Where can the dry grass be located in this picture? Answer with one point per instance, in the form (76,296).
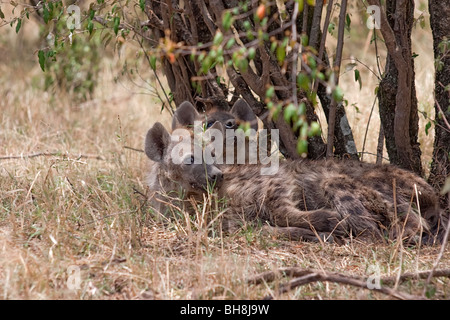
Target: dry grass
(59,213)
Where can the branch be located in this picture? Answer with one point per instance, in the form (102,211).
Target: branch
(134,149)
(305,276)
(389,38)
(315,25)
(440,109)
(52,154)
(314,276)
(323,39)
(337,66)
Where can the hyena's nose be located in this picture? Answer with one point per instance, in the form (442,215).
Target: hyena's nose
(216,176)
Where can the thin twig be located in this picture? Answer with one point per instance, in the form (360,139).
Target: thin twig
(52,154)
(134,149)
(441,111)
(80,225)
(367,127)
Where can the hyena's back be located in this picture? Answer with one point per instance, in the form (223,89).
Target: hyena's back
(409,189)
(331,197)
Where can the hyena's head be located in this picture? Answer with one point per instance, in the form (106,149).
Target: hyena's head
(240,114)
(236,142)
(175,155)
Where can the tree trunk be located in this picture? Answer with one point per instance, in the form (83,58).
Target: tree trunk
(344,143)
(440,25)
(397,94)
(166,15)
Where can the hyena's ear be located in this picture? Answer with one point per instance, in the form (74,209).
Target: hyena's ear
(242,111)
(184,116)
(156,142)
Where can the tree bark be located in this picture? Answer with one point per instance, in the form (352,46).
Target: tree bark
(440,25)
(344,143)
(397,95)
(337,68)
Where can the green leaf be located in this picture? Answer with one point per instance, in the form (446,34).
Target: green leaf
(281,54)
(218,38)
(300,5)
(305,40)
(251,53)
(2,15)
(227,20)
(314,129)
(358,78)
(19,24)
(142,5)
(303,81)
(331,28)
(312,62)
(289,112)
(206,64)
(338,94)
(90,26)
(348,21)
(270,92)
(301,109)
(302,147)
(41,56)
(116,25)
(298,124)
(46,14)
(427,127)
(230,43)
(153,62)
(273,46)
(242,65)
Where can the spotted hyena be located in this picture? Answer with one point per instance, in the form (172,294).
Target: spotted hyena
(304,199)
(172,172)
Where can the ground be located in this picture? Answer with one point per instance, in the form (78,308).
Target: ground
(75,224)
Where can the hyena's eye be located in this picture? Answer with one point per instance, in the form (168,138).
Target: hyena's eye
(229,124)
(189,160)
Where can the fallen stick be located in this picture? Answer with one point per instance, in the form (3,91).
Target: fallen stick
(305,276)
(314,276)
(52,154)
